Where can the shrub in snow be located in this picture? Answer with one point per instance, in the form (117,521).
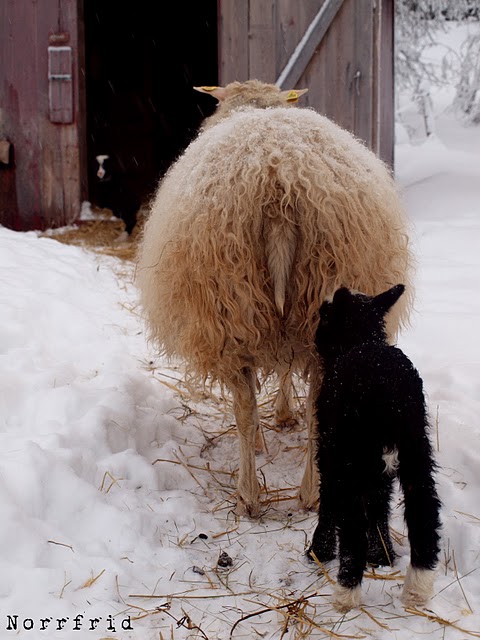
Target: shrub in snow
(467,97)
(417,27)
(372,426)
(267,212)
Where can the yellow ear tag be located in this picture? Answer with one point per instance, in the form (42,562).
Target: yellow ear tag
(292,96)
(209,88)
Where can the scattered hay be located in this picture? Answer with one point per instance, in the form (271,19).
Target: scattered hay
(294,612)
(432,617)
(101,235)
(326,574)
(113,481)
(92,580)
(62,544)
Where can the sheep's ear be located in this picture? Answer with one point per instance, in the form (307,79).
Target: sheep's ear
(293,94)
(385,301)
(220,93)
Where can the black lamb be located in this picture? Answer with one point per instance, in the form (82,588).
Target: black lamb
(113,192)
(372,426)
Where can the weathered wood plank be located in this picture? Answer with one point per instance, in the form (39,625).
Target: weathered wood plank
(81,116)
(383,79)
(293,20)
(350,76)
(363,60)
(330,72)
(309,43)
(233,47)
(262,40)
(60,171)
(19,102)
(43,187)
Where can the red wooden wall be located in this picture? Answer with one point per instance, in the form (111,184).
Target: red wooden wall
(41,185)
(349,73)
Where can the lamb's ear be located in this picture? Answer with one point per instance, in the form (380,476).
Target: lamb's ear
(385,301)
(293,94)
(325,311)
(219,93)
(341,296)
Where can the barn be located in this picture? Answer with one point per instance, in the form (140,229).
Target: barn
(79,78)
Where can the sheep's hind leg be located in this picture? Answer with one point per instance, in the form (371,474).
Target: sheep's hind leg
(309,489)
(242,387)
(284,416)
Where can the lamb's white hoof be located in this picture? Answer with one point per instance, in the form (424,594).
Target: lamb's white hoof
(345,599)
(418,587)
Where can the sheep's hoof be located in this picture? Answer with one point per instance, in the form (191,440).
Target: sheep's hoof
(286,422)
(309,495)
(249,509)
(309,500)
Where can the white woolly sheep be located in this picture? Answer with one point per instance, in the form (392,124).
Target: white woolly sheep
(269,210)
(372,426)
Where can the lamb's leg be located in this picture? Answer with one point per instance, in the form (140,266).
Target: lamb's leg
(309,489)
(324,539)
(422,508)
(352,546)
(380,549)
(284,416)
(418,586)
(242,387)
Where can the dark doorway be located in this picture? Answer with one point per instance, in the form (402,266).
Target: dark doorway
(142,59)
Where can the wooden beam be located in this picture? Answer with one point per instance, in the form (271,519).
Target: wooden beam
(308,44)
(383,97)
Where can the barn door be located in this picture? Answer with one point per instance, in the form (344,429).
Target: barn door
(342,50)
(40,115)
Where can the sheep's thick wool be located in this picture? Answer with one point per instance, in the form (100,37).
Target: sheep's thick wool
(266,213)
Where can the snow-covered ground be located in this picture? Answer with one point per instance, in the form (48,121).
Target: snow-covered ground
(116,481)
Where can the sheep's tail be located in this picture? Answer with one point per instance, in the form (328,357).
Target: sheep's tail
(280,247)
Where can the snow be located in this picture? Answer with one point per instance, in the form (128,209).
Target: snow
(111,467)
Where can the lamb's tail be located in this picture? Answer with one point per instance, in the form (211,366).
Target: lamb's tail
(280,247)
